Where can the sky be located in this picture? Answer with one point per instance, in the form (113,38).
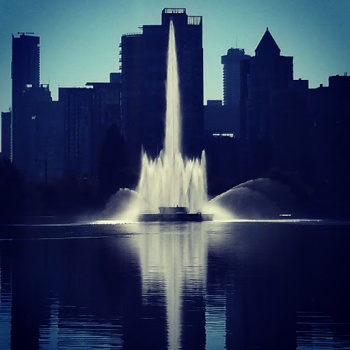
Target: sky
(80,39)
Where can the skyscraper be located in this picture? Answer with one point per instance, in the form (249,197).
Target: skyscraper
(269,72)
(143,65)
(25,62)
(36,118)
(88,114)
(232,87)
(25,74)
(77,111)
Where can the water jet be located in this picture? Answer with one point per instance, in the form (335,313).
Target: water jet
(172,188)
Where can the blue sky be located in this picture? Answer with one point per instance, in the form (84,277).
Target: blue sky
(80,38)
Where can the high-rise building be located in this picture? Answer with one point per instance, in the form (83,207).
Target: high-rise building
(105,114)
(77,115)
(39,117)
(269,72)
(25,62)
(143,66)
(329,144)
(25,74)
(49,159)
(214,118)
(88,114)
(272,105)
(232,88)
(37,123)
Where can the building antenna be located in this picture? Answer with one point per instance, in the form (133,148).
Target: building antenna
(236,43)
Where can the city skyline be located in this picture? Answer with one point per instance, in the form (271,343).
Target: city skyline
(85,47)
(281,124)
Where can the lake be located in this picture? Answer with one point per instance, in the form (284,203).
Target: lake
(211,285)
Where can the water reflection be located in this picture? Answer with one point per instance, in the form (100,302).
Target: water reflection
(62,293)
(317,331)
(173,260)
(182,286)
(5,303)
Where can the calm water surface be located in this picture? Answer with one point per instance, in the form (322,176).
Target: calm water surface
(213,285)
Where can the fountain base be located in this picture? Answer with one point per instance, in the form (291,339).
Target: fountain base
(173,214)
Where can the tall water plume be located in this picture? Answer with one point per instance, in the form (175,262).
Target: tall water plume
(171,180)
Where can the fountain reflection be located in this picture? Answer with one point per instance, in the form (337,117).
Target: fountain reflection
(173,261)
(209,285)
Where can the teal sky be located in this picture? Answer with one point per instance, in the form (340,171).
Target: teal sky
(80,38)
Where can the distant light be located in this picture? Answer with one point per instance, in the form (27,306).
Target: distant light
(230,135)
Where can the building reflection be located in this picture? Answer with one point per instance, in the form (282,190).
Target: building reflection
(179,286)
(258,312)
(155,286)
(64,293)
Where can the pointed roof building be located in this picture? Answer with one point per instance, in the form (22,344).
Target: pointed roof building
(270,74)
(267,46)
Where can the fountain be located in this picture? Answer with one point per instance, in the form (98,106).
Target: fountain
(172,188)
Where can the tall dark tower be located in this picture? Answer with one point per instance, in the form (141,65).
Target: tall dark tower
(25,73)
(268,113)
(269,72)
(143,65)
(232,86)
